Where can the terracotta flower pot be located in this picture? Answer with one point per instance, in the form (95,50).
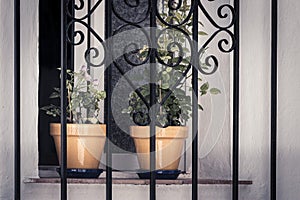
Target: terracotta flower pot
(169,146)
(85,143)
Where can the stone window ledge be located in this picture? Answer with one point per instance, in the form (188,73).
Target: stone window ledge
(135,181)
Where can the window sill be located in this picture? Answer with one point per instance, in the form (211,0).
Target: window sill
(135,181)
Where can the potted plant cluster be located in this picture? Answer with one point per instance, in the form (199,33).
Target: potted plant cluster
(174,111)
(85,133)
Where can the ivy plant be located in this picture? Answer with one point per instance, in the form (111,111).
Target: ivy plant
(83,98)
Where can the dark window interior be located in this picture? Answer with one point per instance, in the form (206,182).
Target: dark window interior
(49,61)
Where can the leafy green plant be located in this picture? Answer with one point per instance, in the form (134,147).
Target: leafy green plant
(174,111)
(83,98)
(175,57)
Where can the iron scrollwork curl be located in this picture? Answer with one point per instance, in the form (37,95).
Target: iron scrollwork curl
(94,53)
(132,49)
(76,6)
(220,15)
(71,36)
(174,6)
(133,4)
(212,64)
(212,58)
(226,42)
(222,41)
(71,14)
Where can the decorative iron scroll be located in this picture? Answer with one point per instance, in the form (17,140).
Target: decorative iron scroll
(232,17)
(77,37)
(134,14)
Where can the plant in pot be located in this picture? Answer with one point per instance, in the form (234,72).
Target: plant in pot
(171,130)
(85,133)
(174,62)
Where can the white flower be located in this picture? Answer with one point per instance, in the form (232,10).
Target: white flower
(95,82)
(87,77)
(83,68)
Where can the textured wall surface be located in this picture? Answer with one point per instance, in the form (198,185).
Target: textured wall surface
(254,127)
(289,101)
(6,103)
(29,66)
(255,96)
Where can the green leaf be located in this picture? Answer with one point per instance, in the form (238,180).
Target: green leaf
(203,92)
(125,110)
(204,86)
(54,95)
(202,33)
(165,86)
(215,91)
(165,77)
(56,89)
(200,107)
(178,15)
(168,69)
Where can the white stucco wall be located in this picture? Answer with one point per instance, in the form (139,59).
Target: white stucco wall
(254,124)
(289,101)
(6,80)
(255,96)
(29,87)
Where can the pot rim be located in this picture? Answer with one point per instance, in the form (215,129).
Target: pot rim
(168,132)
(87,130)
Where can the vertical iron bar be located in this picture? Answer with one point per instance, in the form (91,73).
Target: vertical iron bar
(108,74)
(70,46)
(235,149)
(17,90)
(195,116)
(88,47)
(274,99)
(153,101)
(63,102)
(184,158)
(88,31)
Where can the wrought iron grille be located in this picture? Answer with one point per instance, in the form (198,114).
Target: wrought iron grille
(150,17)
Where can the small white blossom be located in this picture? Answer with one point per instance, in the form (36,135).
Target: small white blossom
(83,68)
(87,77)
(95,82)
